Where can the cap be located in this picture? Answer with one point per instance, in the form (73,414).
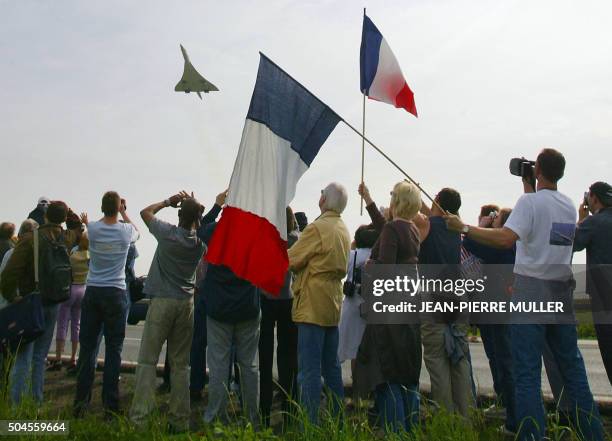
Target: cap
(44,200)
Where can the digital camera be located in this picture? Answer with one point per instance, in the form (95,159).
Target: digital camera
(524,168)
(521,167)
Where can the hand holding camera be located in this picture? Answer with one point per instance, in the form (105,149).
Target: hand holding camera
(583,209)
(176,199)
(525,169)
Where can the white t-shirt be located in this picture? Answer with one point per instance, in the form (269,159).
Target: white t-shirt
(108,248)
(545,223)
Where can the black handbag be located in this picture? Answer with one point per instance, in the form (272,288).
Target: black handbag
(136,289)
(23,321)
(350,286)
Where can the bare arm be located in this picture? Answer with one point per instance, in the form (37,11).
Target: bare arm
(147,214)
(425,209)
(422,223)
(493,237)
(124,215)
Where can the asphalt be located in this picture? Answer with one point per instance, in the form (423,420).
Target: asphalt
(598,379)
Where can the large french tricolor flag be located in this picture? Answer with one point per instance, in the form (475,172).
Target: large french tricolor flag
(381,76)
(285,128)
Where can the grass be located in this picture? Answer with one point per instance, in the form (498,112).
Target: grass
(439,426)
(353,426)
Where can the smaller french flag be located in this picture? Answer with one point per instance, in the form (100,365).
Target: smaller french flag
(381,76)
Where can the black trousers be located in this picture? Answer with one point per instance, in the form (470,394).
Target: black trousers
(276,314)
(604,338)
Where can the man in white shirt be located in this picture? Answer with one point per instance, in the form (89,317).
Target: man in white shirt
(542,225)
(104,306)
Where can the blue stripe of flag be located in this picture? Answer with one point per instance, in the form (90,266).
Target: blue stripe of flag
(290,111)
(371,39)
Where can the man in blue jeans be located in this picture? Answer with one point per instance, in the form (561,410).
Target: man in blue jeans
(542,225)
(104,306)
(319,259)
(18,280)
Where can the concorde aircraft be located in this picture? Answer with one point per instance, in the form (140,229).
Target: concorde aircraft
(192,81)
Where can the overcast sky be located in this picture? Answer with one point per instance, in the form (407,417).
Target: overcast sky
(87,101)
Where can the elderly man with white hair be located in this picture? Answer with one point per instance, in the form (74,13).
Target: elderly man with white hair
(319,261)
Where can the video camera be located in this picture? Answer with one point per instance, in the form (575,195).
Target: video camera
(524,168)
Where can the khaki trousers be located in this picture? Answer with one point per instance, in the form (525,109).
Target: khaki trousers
(172,320)
(451,384)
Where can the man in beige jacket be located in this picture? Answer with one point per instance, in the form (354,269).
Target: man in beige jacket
(319,261)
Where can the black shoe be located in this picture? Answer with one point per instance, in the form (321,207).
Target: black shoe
(55,365)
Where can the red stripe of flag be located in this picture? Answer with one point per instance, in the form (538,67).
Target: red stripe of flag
(252,247)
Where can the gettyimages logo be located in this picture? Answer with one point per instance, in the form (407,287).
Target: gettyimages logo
(496,294)
(413,285)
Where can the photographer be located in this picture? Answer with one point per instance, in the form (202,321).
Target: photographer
(104,305)
(594,233)
(540,226)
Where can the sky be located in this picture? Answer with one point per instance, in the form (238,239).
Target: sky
(87,101)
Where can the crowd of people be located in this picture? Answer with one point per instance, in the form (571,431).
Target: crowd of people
(212,321)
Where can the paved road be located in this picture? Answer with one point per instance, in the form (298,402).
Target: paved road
(590,351)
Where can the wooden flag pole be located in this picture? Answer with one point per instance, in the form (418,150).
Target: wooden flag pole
(394,164)
(362,149)
(363,139)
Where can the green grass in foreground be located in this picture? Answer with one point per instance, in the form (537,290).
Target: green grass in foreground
(433,427)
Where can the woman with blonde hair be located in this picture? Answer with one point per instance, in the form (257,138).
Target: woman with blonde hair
(389,357)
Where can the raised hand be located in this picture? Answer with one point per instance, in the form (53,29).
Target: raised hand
(220,199)
(364,192)
(176,199)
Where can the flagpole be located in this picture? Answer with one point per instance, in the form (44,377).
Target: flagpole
(362,139)
(362,148)
(360,134)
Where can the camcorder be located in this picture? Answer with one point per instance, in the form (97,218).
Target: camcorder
(524,168)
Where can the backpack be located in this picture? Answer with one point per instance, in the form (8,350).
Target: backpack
(54,269)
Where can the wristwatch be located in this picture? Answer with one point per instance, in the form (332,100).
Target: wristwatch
(465,229)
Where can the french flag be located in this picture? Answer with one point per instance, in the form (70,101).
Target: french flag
(381,76)
(285,128)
